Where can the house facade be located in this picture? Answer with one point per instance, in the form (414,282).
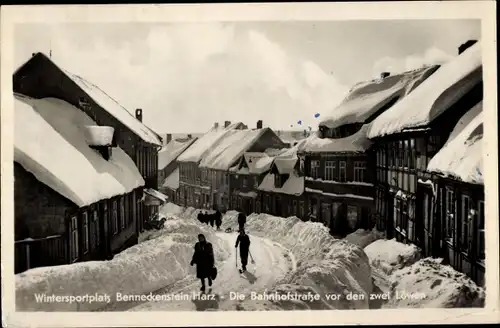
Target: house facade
(40,78)
(206,166)
(338,161)
(64,216)
(406,139)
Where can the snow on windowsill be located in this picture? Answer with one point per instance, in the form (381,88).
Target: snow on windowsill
(353,183)
(316,191)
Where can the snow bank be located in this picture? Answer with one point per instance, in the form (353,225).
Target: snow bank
(433,285)
(143,268)
(462,155)
(53,144)
(324,265)
(390,255)
(171,209)
(363,238)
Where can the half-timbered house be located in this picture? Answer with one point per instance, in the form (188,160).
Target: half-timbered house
(456,205)
(40,78)
(75,193)
(412,132)
(338,159)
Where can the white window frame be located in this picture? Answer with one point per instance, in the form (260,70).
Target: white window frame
(465,234)
(330,167)
(114,216)
(122,212)
(315,165)
(97,228)
(480,231)
(85,233)
(359,171)
(74,247)
(451,215)
(342,169)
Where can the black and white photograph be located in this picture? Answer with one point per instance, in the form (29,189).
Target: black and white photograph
(249,165)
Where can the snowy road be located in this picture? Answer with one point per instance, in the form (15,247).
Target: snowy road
(272,262)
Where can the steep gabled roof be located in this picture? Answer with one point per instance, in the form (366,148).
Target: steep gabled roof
(108,104)
(367,98)
(461,158)
(50,142)
(172,151)
(434,96)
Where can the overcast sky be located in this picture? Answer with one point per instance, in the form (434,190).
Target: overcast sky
(188,76)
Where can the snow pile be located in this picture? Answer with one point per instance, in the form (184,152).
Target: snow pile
(141,269)
(462,155)
(324,265)
(115,109)
(50,143)
(170,209)
(390,255)
(171,151)
(434,96)
(363,238)
(96,135)
(357,142)
(366,98)
(430,284)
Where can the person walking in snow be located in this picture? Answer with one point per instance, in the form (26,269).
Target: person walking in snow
(203,257)
(200,217)
(244,242)
(218,219)
(242,219)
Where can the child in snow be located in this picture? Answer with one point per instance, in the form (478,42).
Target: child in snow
(203,257)
(244,241)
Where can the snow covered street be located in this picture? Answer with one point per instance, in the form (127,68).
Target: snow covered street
(291,257)
(272,262)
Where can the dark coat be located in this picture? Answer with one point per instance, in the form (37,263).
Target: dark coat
(242,219)
(244,242)
(203,257)
(218,218)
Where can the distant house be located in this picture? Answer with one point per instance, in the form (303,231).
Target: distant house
(246,178)
(205,167)
(168,169)
(407,137)
(339,161)
(75,193)
(282,188)
(40,78)
(458,202)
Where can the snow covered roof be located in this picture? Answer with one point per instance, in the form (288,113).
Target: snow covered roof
(50,143)
(204,144)
(294,185)
(434,96)
(357,142)
(285,165)
(172,181)
(230,148)
(462,155)
(156,194)
(172,150)
(257,163)
(111,106)
(366,98)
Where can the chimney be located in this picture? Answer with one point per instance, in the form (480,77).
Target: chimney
(169,138)
(138,114)
(466,45)
(227,123)
(33,54)
(259,124)
(189,136)
(216,125)
(383,75)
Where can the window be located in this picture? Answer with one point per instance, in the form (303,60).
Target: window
(342,171)
(278,179)
(245,182)
(294,208)
(122,213)
(425,211)
(133,204)
(480,229)
(467,227)
(315,169)
(255,182)
(352,216)
(85,233)
(313,208)
(115,218)
(302,209)
(74,239)
(95,232)
(359,171)
(450,215)
(330,170)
